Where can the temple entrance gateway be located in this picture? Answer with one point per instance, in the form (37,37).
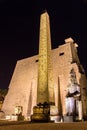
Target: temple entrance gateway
(39,78)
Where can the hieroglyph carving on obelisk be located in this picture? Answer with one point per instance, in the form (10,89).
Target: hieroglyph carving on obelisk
(45,90)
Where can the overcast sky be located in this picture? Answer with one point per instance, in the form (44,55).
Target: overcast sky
(19,30)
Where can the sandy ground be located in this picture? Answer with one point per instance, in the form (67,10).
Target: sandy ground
(44,126)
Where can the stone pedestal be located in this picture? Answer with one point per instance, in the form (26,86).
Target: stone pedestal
(68,119)
(56,118)
(41,113)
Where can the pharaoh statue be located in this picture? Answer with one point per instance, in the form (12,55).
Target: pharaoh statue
(72,96)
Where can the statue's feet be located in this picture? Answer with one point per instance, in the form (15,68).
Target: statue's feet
(69,114)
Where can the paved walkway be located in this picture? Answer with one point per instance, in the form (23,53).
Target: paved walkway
(43,126)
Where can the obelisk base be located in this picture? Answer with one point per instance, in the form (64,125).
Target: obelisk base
(41,113)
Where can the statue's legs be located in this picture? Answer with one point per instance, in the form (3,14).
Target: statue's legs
(67,106)
(70,106)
